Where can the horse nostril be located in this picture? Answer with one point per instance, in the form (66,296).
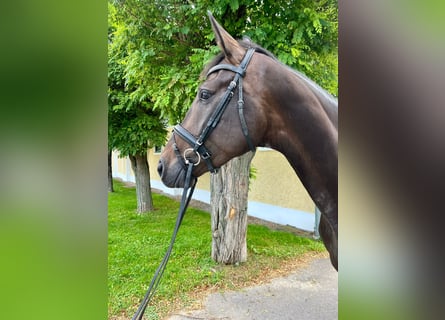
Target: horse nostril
(160,168)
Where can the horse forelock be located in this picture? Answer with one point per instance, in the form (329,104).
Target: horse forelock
(215,61)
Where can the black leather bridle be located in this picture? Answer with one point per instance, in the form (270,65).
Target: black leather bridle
(197,145)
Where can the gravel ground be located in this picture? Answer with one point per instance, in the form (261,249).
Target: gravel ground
(309,293)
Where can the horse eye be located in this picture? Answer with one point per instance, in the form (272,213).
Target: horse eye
(204,95)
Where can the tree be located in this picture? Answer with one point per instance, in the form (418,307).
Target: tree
(134,126)
(229,195)
(153,67)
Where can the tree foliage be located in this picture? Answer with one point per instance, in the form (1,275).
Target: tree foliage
(302,34)
(167,43)
(133,124)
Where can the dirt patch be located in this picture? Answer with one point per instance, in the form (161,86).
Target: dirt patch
(235,280)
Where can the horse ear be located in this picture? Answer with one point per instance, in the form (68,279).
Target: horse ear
(231,48)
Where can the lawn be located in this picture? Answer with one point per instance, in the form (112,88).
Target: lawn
(137,244)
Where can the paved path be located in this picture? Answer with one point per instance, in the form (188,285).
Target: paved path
(309,293)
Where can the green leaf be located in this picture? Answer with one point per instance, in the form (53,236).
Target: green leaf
(234,5)
(295,52)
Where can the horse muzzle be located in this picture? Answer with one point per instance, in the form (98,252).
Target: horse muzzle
(172,175)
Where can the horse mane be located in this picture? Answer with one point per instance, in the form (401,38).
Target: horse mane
(247,44)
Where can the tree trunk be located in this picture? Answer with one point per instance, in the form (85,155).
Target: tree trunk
(139,164)
(110,173)
(229,190)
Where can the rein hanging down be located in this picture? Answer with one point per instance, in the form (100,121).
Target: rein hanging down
(189,187)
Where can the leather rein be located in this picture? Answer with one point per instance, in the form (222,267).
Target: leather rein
(198,148)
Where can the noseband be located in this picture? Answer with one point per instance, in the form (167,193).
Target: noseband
(197,145)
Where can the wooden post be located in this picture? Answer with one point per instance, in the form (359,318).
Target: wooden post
(229,192)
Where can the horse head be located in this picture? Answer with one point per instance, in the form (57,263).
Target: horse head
(225,119)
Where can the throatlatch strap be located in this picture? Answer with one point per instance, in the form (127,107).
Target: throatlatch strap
(242,119)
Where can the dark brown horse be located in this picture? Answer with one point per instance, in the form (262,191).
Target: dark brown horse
(273,106)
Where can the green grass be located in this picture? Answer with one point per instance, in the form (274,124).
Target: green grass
(137,244)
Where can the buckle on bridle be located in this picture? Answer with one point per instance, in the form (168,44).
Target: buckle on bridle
(187,161)
(206,155)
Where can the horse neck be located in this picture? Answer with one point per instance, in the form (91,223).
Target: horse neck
(303,126)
